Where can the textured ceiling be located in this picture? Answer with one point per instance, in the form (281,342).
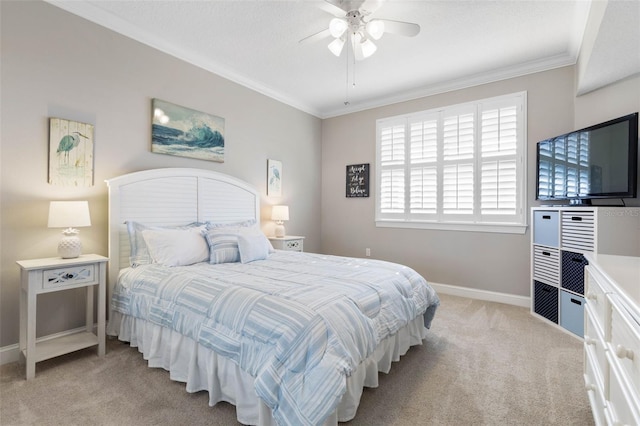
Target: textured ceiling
(462,43)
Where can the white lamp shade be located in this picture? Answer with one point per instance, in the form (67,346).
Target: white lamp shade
(375,28)
(69,214)
(280,213)
(336,46)
(337,27)
(368,48)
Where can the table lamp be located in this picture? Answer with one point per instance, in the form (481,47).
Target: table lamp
(69,214)
(280,214)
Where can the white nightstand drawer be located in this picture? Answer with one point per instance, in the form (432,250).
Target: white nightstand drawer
(293,245)
(69,276)
(289,243)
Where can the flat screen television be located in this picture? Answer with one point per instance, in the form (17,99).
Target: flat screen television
(600,161)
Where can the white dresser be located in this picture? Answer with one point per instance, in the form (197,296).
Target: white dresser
(612,338)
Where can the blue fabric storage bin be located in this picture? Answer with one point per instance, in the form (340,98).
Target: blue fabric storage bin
(573,271)
(546,228)
(572,313)
(545,300)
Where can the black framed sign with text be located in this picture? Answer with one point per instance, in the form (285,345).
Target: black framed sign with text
(358,180)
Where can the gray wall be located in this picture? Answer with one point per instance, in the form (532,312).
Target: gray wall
(478,260)
(482,261)
(55,64)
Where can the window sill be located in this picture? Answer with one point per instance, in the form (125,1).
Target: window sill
(501,228)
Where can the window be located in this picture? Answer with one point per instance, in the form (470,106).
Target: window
(460,167)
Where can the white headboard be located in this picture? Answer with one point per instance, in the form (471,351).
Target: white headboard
(173,196)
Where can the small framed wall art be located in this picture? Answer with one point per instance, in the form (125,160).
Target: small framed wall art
(357,180)
(274,178)
(185,132)
(70,153)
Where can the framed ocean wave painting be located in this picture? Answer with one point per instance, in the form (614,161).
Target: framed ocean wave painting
(185,132)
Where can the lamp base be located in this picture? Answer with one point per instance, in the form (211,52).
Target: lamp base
(70,245)
(280,232)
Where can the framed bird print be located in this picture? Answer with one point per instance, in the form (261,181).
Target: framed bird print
(274,178)
(70,153)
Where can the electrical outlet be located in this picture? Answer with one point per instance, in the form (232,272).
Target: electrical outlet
(367,251)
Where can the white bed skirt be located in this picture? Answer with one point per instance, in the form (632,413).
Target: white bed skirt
(202,369)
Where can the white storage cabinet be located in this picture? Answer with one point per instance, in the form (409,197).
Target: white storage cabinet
(561,236)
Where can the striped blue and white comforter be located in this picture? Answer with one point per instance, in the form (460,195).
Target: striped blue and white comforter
(297,322)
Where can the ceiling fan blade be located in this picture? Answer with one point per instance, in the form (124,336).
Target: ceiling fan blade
(345,5)
(406,29)
(370,6)
(315,37)
(331,8)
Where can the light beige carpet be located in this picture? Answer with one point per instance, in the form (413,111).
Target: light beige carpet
(483,363)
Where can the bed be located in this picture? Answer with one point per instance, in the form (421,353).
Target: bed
(288,338)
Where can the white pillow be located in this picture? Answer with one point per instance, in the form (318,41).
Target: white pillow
(176,247)
(139,254)
(253,245)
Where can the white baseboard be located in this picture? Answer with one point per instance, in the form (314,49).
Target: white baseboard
(11,353)
(490,296)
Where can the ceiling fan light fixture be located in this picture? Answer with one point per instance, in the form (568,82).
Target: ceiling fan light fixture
(336,46)
(337,27)
(375,28)
(368,48)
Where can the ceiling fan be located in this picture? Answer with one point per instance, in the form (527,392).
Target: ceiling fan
(352,24)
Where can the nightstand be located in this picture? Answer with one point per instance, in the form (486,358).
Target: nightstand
(38,276)
(288,242)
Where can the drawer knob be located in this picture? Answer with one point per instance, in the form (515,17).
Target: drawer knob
(623,352)
(589,340)
(590,387)
(592,296)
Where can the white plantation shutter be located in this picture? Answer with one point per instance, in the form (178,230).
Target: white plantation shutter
(392,191)
(391,183)
(460,165)
(423,183)
(458,189)
(424,190)
(499,178)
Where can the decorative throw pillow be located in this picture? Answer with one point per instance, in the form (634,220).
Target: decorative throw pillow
(223,244)
(176,247)
(253,245)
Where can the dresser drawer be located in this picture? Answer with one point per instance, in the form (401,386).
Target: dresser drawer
(596,300)
(546,265)
(625,345)
(594,345)
(595,389)
(578,230)
(69,276)
(622,403)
